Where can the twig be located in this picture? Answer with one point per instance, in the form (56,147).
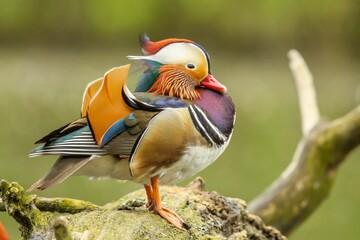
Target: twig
(64,205)
(306,91)
(60,205)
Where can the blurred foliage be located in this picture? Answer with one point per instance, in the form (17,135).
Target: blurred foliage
(50,50)
(232,24)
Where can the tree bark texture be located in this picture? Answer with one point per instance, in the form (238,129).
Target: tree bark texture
(210,215)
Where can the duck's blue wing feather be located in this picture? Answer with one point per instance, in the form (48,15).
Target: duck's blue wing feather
(80,142)
(76,143)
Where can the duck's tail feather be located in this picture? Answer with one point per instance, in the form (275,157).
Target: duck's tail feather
(63,168)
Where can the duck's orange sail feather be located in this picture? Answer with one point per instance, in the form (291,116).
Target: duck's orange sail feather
(103,104)
(90,91)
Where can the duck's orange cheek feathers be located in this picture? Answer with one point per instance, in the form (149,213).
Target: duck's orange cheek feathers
(174,81)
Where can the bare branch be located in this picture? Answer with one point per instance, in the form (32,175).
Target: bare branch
(306,91)
(309,178)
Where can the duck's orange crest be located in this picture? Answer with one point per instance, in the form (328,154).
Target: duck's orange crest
(103,104)
(151,47)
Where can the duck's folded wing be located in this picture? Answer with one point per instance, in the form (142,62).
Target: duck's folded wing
(76,143)
(64,130)
(120,138)
(135,124)
(77,138)
(123,135)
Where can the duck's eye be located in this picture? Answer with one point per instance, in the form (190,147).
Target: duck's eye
(190,66)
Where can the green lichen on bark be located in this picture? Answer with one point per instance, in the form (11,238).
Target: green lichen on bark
(61,229)
(211,216)
(64,205)
(21,208)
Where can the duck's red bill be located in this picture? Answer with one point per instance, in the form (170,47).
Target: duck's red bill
(211,83)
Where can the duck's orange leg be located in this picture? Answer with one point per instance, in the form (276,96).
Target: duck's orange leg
(149,194)
(154,204)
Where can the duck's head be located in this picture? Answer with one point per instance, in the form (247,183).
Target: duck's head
(175,67)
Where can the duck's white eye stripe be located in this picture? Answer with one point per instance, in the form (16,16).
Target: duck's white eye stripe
(179,53)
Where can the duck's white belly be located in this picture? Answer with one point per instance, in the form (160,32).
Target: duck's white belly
(195,159)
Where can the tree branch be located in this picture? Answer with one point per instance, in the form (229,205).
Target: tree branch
(212,217)
(60,205)
(63,205)
(306,91)
(309,178)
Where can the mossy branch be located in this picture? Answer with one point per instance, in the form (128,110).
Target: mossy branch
(20,207)
(309,178)
(211,215)
(63,205)
(60,205)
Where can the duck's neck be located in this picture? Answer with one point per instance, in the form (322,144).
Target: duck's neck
(219,109)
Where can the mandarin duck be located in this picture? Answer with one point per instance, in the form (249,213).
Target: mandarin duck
(177,122)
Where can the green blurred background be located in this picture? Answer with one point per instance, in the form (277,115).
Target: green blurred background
(50,50)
